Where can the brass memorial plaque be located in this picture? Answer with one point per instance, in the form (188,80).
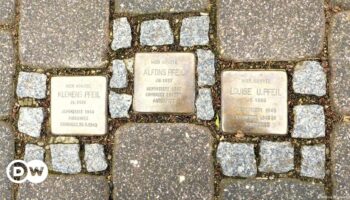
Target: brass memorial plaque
(164,83)
(79,105)
(254,102)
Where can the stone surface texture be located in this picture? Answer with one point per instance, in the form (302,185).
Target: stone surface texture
(129,64)
(158,6)
(277,157)
(7,66)
(290,189)
(156,32)
(163,161)
(340,158)
(344,4)
(7,10)
(204,104)
(64,34)
(309,121)
(30,121)
(313,161)
(237,159)
(31,85)
(270,29)
(122,36)
(7,154)
(194,31)
(65,158)
(309,78)
(95,158)
(33,152)
(205,67)
(120,75)
(119,105)
(339,59)
(77,187)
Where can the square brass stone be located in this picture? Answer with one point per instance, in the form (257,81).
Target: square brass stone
(79,105)
(164,83)
(254,102)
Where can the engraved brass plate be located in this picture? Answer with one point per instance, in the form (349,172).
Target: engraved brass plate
(254,102)
(79,105)
(164,83)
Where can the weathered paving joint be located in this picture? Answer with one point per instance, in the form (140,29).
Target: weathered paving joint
(167,99)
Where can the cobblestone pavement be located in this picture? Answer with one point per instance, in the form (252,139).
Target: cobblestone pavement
(196,99)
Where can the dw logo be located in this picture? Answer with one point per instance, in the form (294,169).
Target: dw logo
(19,171)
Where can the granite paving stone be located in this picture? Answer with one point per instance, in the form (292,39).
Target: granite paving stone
(309,78)
(313,161)
(65,158)
(343,4)
(194,31)
(120,75)
(159,6)
(272,30)
(7,10)
(277,157)
(285,188)
(7,154)
(119,105)
(204,104)
(64,34)
(340,158)
(31,85)
(129,64)
(309,121)
(156,32)
(33,152)
(237,159)
(30,121)
(163,161)
(205,67)
(122,36)
(95,158)
(7,66)
(77,187)
(339,59)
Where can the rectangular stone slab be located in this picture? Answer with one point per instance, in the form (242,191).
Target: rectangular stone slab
(164,83)
(254,102)
(79,105)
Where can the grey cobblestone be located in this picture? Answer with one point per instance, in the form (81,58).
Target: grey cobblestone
(30,121)
(194,31)
(122,36)
(237,159)
(120,75)
(156,32)
(309,121)
(65,158)
(33,152)
(313,161)
(31,85)
(309,78)
(206,67)
(95,158)
(276,157)
(119,105)
(204,104)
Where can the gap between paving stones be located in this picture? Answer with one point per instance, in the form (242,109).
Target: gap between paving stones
(295,99)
